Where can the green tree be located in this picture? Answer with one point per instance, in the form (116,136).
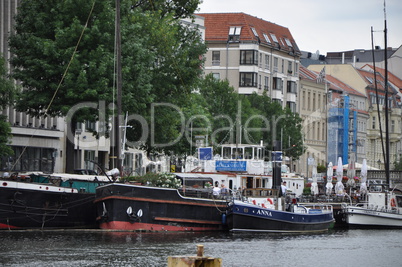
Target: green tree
(279,125)
(398,164)
(160,58)
(7,93)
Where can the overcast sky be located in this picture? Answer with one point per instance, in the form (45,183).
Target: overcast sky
(324,25)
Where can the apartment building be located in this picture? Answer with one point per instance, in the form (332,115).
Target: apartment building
(368,122)
(254,55)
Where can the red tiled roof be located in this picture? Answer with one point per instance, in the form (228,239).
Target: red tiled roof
(217,27)
(391,77)
(306,74)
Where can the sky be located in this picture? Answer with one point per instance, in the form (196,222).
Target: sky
(324,25)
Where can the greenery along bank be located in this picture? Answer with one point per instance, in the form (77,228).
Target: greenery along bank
(63,54)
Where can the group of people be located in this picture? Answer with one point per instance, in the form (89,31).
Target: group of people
(218,192)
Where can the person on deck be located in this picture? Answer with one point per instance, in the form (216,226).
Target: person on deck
(283,188)
(216,191)
(224,191)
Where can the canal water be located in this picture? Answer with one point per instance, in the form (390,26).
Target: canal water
(100,248)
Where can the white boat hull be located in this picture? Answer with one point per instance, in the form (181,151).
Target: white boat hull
(364,217)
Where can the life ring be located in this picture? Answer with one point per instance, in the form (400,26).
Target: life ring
(254,202)
(263,205)
(393,202)
(270,201)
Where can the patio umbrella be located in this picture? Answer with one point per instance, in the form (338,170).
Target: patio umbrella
(363,176)
(339,173)
(314,185)
(351,174)
(330,173)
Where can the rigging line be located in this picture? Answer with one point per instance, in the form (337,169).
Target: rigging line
(58,87)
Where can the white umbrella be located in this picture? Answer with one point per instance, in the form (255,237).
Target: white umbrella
(314,185)
(363,175)
(339,173)
(330,173)
(351,174)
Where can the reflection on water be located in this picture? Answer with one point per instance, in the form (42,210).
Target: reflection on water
(100,248)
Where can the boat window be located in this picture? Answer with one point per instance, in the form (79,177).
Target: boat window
(399,201)
(258,153)
(237,153)
(226,152)
(248,153)
(257,182)
(230,184)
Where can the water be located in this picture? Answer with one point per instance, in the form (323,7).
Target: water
(99,248)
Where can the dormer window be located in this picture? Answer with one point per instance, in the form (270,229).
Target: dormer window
(255,32)
(266,38)
(288,42)
(234,33)
(273,36)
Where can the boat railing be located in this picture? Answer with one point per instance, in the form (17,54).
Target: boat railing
(321,207)
(260,192)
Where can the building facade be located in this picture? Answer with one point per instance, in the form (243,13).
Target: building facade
(254,55)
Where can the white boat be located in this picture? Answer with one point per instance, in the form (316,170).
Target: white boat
(383,209)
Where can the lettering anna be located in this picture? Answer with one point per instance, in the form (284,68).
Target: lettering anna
(264,212)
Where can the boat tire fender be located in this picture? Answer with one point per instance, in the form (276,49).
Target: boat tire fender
(393,202)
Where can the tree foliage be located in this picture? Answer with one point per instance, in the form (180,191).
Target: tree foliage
(7,93)
(59,68)
(161,69)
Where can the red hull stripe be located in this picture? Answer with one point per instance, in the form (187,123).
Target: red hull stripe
(162,201)
(185,220)
(127,226)
(6,226)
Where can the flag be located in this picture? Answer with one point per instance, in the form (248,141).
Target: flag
(321,76)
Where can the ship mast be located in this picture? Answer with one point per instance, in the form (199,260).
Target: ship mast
(386,100)
(116,159)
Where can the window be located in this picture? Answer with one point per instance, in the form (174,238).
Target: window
(259,82)
(288,42)
(234,34)
(275,64)
(291,106)
(304,100)
(266,38)
(373,122)
(248,79)
(267,61)
(249,57)
(260,61)
(266,86)
(216,76)
(313,101)
(30,159)
(255,32)
(89,158)
(277,83)
(393,126)
(90,126)
(282,66)
(290,67)
(273,36)
(291,87)
(216,58)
